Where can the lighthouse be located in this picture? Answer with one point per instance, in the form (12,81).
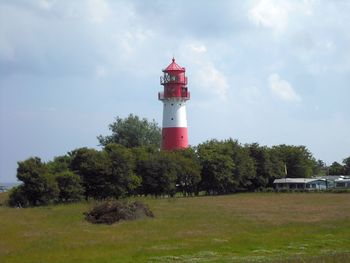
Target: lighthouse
(174,97)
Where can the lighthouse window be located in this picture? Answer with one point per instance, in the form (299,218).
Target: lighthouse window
(172,119)
(182,137)
(172,104)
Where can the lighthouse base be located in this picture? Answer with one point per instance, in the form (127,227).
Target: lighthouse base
(174,138)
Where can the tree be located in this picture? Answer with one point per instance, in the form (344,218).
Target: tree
(69,185)
(188,171)
(262,163)
(59,164)
(217,168)
(93,167)
(244,171)
(39,186)
(336,169)
(142,155)
(159,174)
(278,166)
(17,197)
(320,168)
(133,132)
(106,174)
(121,177)
(298,161)
(346,163)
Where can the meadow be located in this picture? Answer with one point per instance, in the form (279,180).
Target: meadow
(251,227)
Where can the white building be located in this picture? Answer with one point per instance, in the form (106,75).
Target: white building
(300,183)
(342,182)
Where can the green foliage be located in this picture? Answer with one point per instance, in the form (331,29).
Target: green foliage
(39,187)
(346,163)
(59,164)
(227,167)
(93,167)
(188,171)
(159,174)
(17,197)
(263,165)
(336,169)
(107,173)
(70,188)
(133,132)
(298,160)
(121,179)
(244,171)
(217,168)
(131,163)
(320,168)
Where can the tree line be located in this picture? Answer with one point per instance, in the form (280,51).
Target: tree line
(130,163)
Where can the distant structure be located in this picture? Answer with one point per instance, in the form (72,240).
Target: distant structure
(174,97)
(316,183)
(300,183)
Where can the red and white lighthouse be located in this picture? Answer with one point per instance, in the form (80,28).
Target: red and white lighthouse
(174,97)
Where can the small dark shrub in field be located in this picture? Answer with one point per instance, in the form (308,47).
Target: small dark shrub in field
(113,211)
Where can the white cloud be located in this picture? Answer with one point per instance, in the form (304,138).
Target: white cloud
(198,48)
(46,4)
(282,88)
(277,14)
(270,14)
(206,77)
(211,79)
(132,40)
(99,11)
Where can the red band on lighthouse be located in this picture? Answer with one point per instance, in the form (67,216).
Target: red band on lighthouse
(174,97)
(174,138)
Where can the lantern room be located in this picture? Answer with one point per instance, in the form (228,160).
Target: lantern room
(174,81)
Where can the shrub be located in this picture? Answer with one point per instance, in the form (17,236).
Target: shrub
(17,197)
(113,211)
(39,186)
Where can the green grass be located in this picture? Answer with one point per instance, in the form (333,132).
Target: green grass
(254,227)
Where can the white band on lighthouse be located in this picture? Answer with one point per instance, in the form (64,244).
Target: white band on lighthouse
(174,113)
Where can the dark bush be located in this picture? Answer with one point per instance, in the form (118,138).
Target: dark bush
(17,197)
(113,211)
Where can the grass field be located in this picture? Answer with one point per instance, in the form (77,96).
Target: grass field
(256,227)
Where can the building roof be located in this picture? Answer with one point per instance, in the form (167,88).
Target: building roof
(174,67)
(342,180)
(296,180)
(332,177)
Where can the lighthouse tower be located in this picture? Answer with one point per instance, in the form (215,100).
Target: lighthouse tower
(174,97)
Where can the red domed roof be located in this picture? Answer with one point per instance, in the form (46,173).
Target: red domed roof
(174,67)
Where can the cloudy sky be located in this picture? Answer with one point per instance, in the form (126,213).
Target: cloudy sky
(266,71)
